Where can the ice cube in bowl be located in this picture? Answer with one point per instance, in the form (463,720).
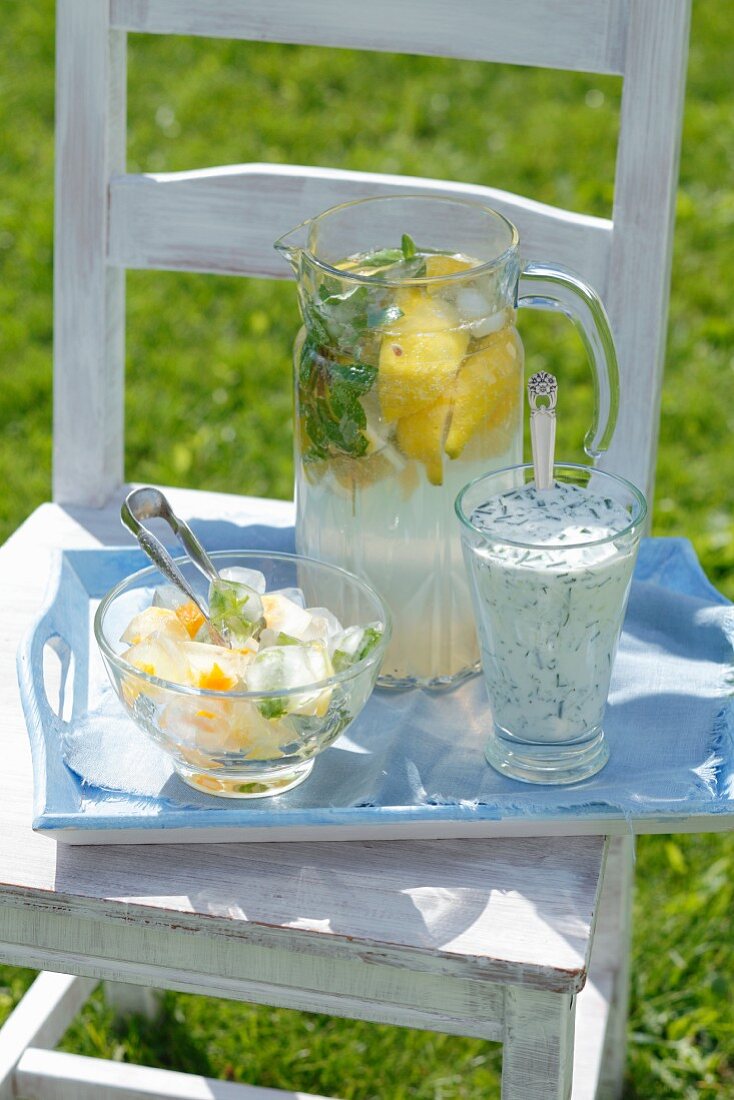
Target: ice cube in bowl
(247,723)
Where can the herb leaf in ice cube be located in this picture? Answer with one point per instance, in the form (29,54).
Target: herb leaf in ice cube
(285,668)
(273,708)
(236,611)
(354,644)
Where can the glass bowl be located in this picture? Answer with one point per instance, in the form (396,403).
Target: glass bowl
(236,743)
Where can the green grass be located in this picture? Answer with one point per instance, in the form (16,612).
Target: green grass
(209,402)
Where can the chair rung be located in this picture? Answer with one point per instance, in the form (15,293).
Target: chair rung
(52,1075)
(40,1019)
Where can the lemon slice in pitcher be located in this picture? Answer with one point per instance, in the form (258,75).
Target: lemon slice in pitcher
(439,266)
(419,355)
(486,391)
(421,436)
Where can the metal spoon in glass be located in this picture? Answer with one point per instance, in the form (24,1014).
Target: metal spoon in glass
(543,426)
(149,503)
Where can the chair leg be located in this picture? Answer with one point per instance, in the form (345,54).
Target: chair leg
(615,927)
(128,1000)
(537,1052)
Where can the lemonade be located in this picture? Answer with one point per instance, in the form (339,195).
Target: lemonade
(409,374)
(407,388)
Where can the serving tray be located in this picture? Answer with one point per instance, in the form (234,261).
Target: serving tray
(411,766)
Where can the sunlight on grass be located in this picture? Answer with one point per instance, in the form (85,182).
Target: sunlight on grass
(209,405)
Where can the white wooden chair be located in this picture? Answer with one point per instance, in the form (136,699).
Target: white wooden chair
(528,921)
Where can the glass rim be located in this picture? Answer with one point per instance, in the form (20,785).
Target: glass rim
(457,276)
(635,522)
(125,667)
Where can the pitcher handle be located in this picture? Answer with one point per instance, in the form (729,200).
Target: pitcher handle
(543,286)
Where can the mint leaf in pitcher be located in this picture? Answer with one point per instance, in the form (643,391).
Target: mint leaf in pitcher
(329,394)
(384,257)
(394,264)
(345,319)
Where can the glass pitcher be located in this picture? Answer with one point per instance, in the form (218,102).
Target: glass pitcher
(409,383)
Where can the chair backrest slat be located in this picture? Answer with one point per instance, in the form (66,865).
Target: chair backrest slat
(585,35)
(225,220)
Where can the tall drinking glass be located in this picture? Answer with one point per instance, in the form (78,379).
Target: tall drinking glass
(550,575)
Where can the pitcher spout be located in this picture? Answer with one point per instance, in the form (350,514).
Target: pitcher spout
(293,243)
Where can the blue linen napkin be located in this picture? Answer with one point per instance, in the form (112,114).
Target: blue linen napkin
(669,722)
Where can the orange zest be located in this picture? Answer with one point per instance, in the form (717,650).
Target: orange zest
(191,617)
(216,679)
(208,782)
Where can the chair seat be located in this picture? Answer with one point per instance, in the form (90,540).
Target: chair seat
(426,934)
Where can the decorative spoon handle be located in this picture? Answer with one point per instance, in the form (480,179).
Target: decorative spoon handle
(543,426)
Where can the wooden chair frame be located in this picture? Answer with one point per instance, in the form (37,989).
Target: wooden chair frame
(107,221)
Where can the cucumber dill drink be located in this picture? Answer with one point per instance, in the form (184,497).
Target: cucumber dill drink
(550,573)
